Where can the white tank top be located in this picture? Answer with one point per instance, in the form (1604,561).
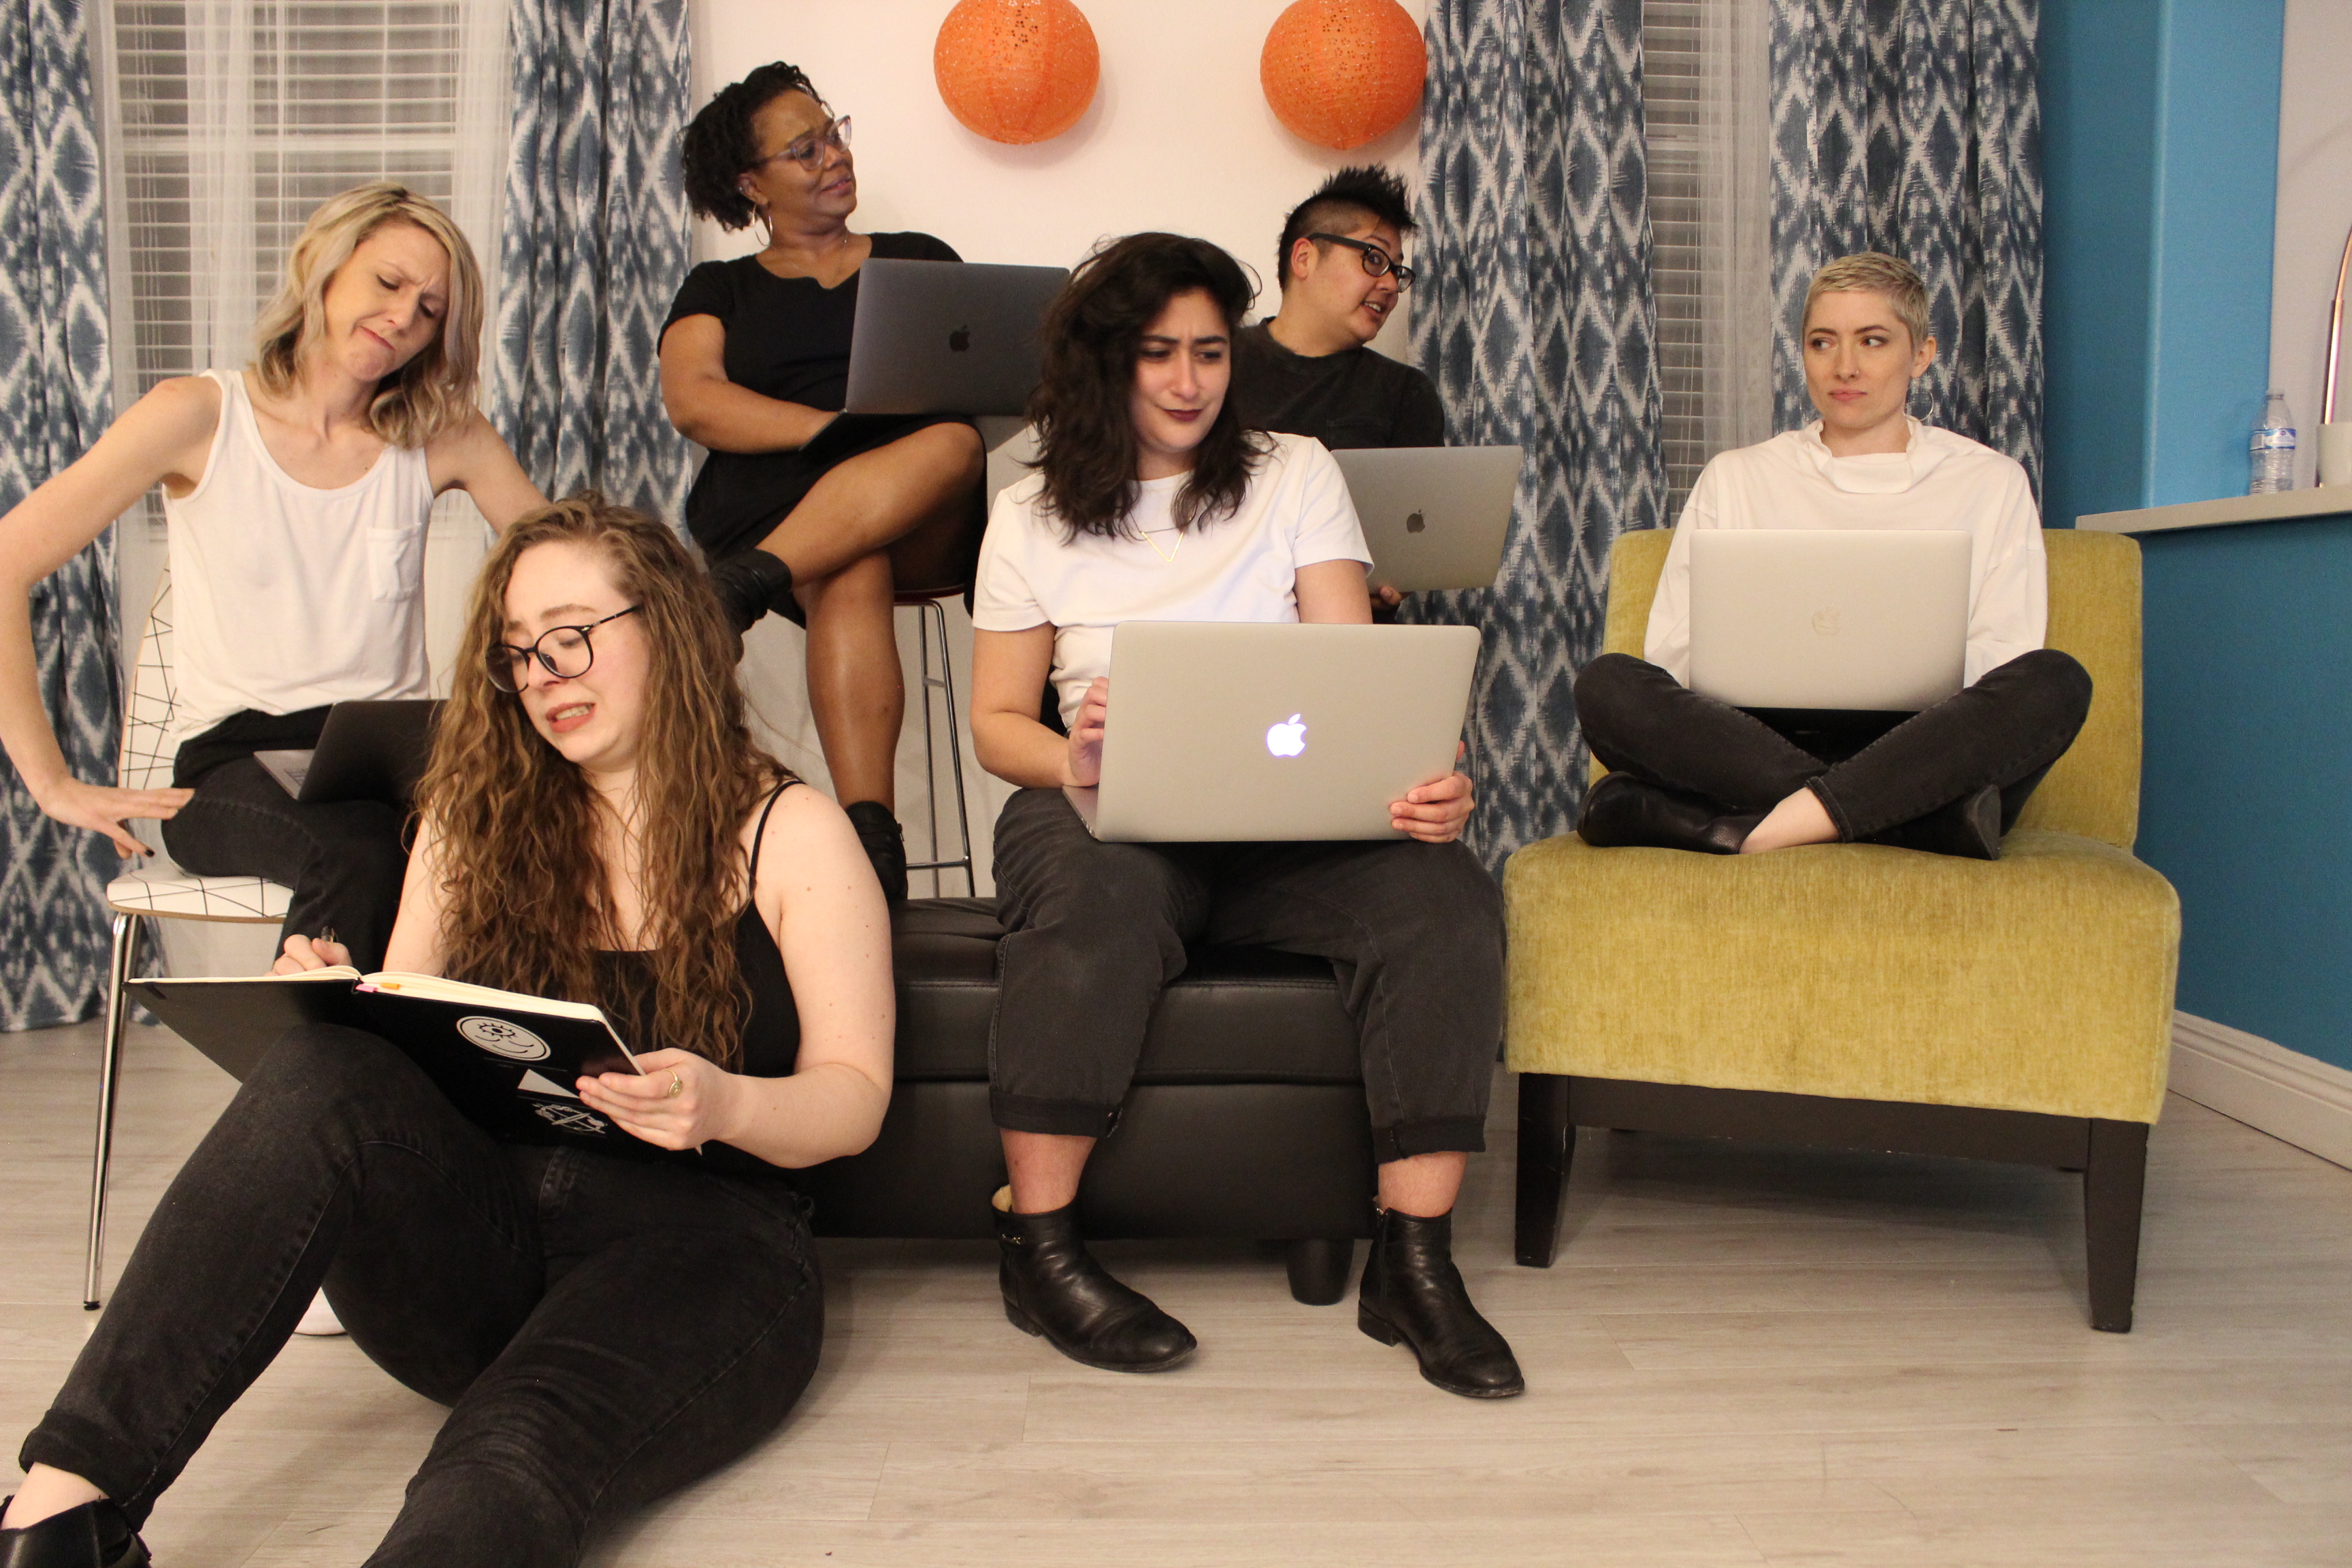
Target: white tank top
(286,596)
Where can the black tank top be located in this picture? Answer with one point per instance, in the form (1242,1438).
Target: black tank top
(770,1037)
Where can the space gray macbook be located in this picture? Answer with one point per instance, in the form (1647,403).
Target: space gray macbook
(1829,618)
(1220,732)
(947,337)
(1435,517)
(366,751)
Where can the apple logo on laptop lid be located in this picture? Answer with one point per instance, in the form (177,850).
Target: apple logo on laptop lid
(959,339)
(1287,739)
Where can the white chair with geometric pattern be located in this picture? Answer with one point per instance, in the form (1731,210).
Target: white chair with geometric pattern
(156,890)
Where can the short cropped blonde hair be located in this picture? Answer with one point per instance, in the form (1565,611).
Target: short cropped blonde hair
(1875,272)
(432,393)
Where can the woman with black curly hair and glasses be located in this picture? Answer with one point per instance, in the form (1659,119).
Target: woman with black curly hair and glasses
(817,515)
(1153,501)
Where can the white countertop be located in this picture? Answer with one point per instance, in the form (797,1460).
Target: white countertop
(2325,500)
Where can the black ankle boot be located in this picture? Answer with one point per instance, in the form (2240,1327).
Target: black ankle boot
(1053,1286)
(885,845)
(749,585)
(1623,812)
(1969,828)
(1412,1292)
(94,1535)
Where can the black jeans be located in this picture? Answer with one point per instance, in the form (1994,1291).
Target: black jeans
(606,1329)
(1871,777)
(1414,933)
(343,860)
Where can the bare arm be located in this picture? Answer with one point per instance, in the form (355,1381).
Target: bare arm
(1332,593)
(1008,685)
(167,435)
(474,459)
(821,902)
(708,408)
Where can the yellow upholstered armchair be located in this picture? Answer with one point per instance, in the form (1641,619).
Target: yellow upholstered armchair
(1858,997)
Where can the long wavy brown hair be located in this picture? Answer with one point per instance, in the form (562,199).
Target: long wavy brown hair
(526,894)
(1093,333)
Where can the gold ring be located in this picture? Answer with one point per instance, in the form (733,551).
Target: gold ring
(676,1085)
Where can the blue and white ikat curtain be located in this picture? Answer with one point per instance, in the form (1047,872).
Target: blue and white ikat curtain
(56,396)
(593,244)
(1536,315)
(1914,126)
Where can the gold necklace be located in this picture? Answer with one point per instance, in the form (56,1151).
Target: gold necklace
(1167,556)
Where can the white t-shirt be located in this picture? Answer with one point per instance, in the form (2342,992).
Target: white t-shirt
(1941,481)
(1244,567)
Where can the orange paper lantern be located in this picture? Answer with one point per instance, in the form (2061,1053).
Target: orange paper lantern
(1016,71)
(1341,72)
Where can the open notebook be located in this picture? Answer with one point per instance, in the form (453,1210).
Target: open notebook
(506,1060)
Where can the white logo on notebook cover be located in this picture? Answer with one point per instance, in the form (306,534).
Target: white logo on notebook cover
(502,1038)
(570,1118)
(1286,739)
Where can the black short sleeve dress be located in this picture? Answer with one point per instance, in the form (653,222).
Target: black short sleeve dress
(789,338)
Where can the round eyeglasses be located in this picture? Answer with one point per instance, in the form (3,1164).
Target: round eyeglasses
(1376,261)
(563,652)
(810,151)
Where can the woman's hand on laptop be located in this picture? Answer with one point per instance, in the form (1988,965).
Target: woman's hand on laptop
(1435,813)
(1087,735)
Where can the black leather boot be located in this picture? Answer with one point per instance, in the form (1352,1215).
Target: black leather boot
(885,844)
(94,1535)
(749,585)
(1969,828)
(1623,812)
(1412,1292)
(1053,1286)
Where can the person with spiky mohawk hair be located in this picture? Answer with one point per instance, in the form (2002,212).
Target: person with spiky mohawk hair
(1308,370)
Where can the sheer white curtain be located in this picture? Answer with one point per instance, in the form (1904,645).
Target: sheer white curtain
(1736,224)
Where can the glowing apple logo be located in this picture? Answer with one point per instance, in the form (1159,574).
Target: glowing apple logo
(1286,739)
(959,339)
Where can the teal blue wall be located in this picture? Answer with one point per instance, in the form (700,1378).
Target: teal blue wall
(2160,165)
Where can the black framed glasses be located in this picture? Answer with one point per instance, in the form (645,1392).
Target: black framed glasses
(1377,262)
(564,652)
(810,151)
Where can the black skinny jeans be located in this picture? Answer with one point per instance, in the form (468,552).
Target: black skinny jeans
(344,860)
(606,1328)
(1413,931)
(1872,776)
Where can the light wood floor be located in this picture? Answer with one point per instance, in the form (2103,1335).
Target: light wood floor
(1743,1357)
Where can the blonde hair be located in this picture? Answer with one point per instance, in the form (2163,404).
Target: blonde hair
(434,392)
(528,899)
(1875,272)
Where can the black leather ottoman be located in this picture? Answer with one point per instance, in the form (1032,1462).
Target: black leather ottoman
(1247,1118)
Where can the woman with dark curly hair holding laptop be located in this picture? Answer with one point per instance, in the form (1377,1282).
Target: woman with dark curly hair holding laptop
(817,515)
(1153,501)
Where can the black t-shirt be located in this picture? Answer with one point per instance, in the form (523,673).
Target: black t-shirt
(788,338)
(1352,398)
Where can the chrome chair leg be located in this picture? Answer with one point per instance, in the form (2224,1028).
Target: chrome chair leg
(934,617)
(127,930)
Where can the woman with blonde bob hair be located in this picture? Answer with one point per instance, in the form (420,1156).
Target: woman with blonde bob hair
(597,825)
(297,491)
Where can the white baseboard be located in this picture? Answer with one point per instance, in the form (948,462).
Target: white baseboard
(2297,1099)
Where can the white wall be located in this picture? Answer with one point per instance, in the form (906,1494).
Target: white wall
(2315,211)
(1179,137)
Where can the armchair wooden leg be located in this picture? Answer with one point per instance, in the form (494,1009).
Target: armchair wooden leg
(1319,1268)
(1547,1141)
(2113,1185)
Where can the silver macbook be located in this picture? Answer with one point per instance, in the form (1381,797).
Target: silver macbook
(947,337)
(1829,618)
(1435,517)
(1220,732)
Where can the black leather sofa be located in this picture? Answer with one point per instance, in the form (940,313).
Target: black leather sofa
(1246,1119)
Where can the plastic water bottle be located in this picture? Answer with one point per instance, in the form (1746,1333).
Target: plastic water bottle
(2272,448)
